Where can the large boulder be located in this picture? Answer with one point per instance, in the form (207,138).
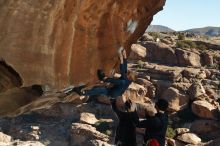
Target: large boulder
(63,42)
(203,109)
(192,73)
(196,90)
(159,52)
(188,58)
(138,52)
(63,38)
(207,58)
(176,99)
(162,72)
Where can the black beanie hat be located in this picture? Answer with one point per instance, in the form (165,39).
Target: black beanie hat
(162,104)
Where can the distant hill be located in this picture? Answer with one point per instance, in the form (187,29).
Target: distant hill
(209,31)
(159,28)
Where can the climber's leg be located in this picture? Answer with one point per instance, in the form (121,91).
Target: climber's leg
(95,91)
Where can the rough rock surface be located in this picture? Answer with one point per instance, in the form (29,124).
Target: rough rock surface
(63,38)
(196,90)
(63,42)
(88,118)
(83,134)
(177,100)
(158,51)
(203,109)
(188,58)
(189,138)
(181,131)
(137,52)
(6,140)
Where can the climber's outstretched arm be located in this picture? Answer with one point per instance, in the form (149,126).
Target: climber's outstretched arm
(123,62)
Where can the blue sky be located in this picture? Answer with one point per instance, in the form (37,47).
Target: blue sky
(186,14)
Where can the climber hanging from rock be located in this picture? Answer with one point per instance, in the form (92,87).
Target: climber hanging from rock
(117,85)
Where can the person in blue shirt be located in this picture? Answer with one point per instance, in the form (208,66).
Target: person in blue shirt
(117,85)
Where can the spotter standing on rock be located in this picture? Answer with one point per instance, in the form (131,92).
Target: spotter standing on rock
(126,130)
(117,85)
(156,126)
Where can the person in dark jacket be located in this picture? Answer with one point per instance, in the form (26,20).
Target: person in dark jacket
(126,129)
(156,126)
(117,85)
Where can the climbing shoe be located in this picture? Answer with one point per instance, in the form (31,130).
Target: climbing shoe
(100,74)
(78,89)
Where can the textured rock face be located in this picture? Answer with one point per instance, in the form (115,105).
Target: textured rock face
(188,58)
(63,42)
(177,100)
(83,134)
(189,138)
(203,109)
(52,42)
(160,52)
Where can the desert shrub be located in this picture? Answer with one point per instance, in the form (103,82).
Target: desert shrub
(155,35)
(202,47)
(170,133)
(186,44)
(181,44)
(140,64)
(191,43)
(170,130)
(181,36)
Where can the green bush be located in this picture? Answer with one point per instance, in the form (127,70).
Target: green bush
(155,35)
(186,44)
(202,47)
(181,36)
(191,43)
(140,64)
(170,133)
(181,44)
